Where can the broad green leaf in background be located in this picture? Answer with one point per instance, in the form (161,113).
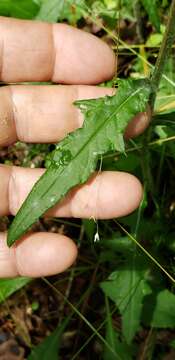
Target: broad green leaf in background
(50,10)
(49,347)
(119,244)
(75,158)
(152,10)
(89,228)
(127,287)
(121,349)
(173,344)
(58,10)
(163,314)
(9,286)
(19,8)
(125,163)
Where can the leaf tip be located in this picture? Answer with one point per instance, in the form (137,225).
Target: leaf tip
(10,238)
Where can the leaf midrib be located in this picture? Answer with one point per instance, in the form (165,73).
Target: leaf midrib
(95,132)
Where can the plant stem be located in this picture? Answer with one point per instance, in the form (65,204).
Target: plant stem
(139,23)
(167,43)
(164,51)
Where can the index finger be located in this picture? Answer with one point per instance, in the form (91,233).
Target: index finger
(38,51)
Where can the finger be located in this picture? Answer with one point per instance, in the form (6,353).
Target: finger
(36,255)
(47,114)
(42,113)
(138,124)
(36,51)
(105,195)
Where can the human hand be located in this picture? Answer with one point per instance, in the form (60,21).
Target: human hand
(32,51)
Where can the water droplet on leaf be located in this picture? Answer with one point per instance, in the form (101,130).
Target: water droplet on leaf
(52,199)
(61,158)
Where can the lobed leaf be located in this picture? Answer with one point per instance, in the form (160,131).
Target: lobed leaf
(127,287)
(75,157)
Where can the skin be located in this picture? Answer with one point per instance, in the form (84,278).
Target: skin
(35,51)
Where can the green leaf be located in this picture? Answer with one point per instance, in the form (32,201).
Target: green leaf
(75,157)
(127,287)
(19,8)
(49,347)
(172,344)
(9,286)
(89,227)
(108,12)
(50,10)
(74,10)
(122,350)
(119,244)
(152,10)
(154,40)
(163,314)
(58,10)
